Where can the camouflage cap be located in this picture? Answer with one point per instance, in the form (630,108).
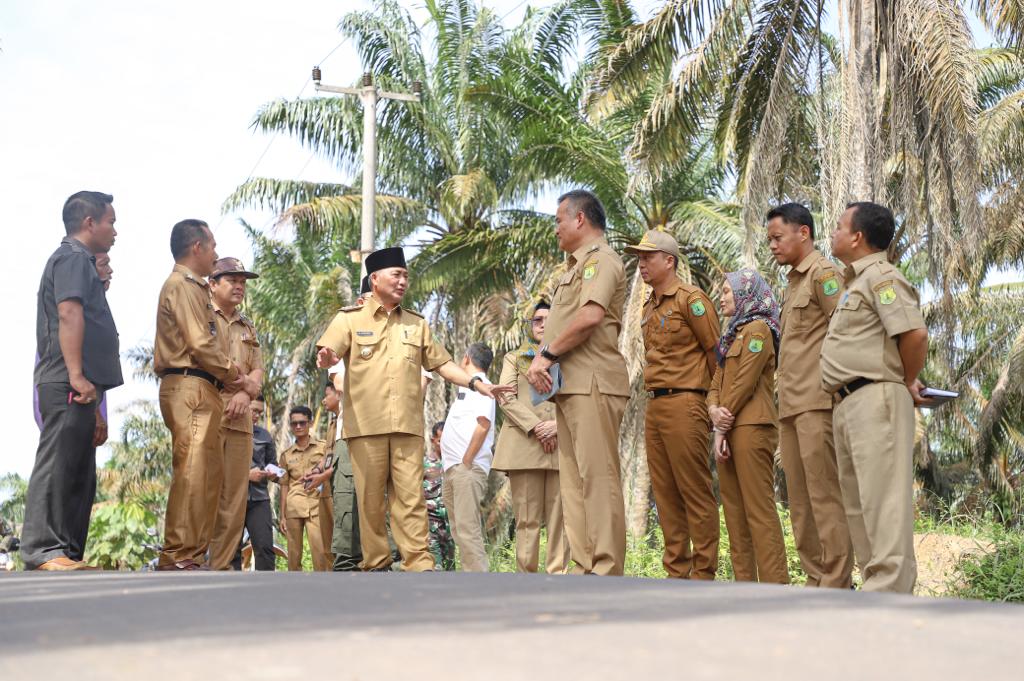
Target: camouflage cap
(656,240)
(231,266)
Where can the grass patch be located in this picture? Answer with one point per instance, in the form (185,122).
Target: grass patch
(996,575)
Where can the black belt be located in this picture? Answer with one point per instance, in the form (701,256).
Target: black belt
(198,373)
(661,392)
(851,387)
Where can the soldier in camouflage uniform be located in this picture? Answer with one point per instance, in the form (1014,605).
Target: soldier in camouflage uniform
(441,543)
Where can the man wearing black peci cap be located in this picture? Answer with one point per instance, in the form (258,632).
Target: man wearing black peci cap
(385,347)
(192,361)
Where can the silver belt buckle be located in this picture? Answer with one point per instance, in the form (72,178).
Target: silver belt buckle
(650,394)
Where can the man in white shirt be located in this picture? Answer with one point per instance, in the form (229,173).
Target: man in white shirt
(466,453)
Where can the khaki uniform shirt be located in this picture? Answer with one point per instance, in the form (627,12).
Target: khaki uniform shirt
(517,449)
(186,333)
(383,354)
(244,350)
(877,305)
(745,383)
(595,275)
(301,502)
(679,328)
(811,296)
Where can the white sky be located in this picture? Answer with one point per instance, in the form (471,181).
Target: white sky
(150,102)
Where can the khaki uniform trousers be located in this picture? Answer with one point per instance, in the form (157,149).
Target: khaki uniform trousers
(234,495)
(746,480)
(192,409)
(390,468)
(313,526)
(815,499)
(463,490)
(874,430)
(327,527)
(536,501)
(677,431)
(591,481)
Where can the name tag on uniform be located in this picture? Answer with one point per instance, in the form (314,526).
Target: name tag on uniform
(364,333)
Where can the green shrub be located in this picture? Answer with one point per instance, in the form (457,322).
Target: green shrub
(997,575)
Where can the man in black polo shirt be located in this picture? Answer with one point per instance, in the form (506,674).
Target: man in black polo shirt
(77,343)
(259,519)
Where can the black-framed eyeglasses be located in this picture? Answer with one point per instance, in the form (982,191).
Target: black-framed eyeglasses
(298,424)
(537,320)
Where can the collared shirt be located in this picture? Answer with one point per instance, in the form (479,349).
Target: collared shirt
(745,382)
(811,297)
(186,333)
(244,350)
(264,452)
(384,355)
(877,305)
(70,274)
(517,449)
(679,328)
(595,275)
(296,462)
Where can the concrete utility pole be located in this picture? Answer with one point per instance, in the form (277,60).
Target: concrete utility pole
(369,95)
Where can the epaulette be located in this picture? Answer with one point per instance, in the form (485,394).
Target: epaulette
(595,247)
(351,308)
(413,312)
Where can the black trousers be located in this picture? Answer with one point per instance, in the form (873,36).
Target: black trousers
(62,488)
(259,521)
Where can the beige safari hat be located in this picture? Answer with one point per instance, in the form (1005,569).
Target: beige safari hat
(656,240)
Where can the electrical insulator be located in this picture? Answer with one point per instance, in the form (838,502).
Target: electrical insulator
(316,74)
(367,79)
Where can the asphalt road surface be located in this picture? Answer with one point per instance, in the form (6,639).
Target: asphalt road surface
(445,627)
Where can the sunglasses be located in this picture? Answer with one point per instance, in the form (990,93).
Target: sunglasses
(298,424)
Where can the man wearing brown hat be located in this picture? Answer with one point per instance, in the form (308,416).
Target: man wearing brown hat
(385,347)
(227,290)
(191,359)
(680,331)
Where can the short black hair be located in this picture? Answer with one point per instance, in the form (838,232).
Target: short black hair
(875,222)
(330,384)
(541,305)
(436,428)
(587,203)
(794,215)
(480,355)
(301,409)
(82,205)
(260,398)
(186,233)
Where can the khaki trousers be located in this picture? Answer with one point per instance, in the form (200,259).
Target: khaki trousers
(390,468)
(677,430)
(815,499)
(313,526)
(192,409)
(462,490)
(536,501)
(874,429)
(746,480)
(327,527)
(590,480)
(234,494)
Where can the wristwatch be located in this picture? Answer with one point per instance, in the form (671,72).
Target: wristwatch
(547,354)
(472,383)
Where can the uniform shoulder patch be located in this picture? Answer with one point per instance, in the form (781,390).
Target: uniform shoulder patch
(697,306)
(589,269)
(756,343)
(829,283)
(886,292)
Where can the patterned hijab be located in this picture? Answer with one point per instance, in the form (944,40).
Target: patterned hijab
(754,300)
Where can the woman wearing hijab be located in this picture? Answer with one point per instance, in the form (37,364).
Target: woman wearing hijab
(742,407)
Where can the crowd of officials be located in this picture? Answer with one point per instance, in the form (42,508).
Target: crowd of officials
(829,377)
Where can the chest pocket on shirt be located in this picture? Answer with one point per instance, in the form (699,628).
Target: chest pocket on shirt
(413,347)
(365,348)
(796,315)
(736,349)
(847,314)
(563,293)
